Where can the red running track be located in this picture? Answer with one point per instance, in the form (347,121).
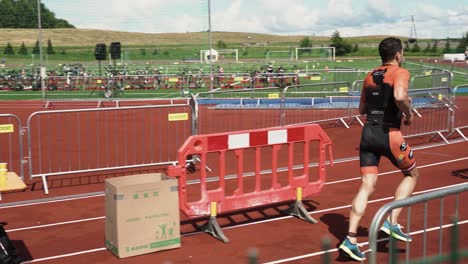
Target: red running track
(72,231)
(50,232)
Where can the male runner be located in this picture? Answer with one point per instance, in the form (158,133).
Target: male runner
(384,98)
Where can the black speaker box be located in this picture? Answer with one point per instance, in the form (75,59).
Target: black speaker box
(100,51)
(115,50)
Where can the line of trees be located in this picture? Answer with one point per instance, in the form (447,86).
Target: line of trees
(342,47)
(23,50)
(23,14)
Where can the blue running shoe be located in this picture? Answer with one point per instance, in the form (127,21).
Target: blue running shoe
(395,231)
(352,250)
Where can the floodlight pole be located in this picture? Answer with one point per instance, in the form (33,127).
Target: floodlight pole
(210,44)
(41,70)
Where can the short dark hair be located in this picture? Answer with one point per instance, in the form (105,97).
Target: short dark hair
(388,48)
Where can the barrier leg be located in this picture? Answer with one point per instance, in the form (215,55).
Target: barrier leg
(44,182)
(191,164)
(212,227)
(298,210)
(461,134)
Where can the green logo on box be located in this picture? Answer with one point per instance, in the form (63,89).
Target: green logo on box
(165,243)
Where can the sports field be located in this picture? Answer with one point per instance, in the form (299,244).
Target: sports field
(67,143)
(179,80)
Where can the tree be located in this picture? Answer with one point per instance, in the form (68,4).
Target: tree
(427,49)
(23,50)
(462,44)
(356,48)
(341,46)
(7,14)
(155,52)
(434,47)
(305,42)
(447,48)
(50,48)
(36,49)
(406,48)
(416,48)
(9,49)
(23,14)
(143,52)
(221,44)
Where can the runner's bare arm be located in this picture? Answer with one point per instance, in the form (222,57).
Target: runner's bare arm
(400,92)
(362,103)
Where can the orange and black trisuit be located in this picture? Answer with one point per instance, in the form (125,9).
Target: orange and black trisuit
(381,134)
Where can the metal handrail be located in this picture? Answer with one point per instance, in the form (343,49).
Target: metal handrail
(387,208)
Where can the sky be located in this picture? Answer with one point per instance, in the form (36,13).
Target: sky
(432,18)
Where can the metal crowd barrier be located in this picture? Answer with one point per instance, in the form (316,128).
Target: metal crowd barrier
(11,143)
(231,110)
(431,78)
(63,142)
(434,111)
(221,110)
(432,98)
(330,102)
(458,118)
(144,82)
(113,102)
(408,203)
(239,147)
(434,106)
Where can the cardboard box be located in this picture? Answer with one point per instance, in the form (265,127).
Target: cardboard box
(142,214)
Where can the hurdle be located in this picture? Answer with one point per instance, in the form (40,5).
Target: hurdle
(291,187)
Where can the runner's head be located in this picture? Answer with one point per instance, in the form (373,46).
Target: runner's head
(390,49)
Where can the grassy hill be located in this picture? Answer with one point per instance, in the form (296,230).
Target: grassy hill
(89,37)
(77,45)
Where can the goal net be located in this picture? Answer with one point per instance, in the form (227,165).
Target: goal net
(315,53)
(228,55)
(279,55)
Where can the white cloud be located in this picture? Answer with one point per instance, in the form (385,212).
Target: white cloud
(434,19)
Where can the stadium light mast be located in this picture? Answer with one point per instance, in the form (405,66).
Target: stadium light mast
(41,70)
(210,45)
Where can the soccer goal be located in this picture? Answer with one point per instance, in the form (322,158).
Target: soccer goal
(316,53)
(228,54)
(219,55)
(279,55)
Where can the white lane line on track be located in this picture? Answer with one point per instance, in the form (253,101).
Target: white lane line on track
(232,227)
(58,224)
(273,262)
(54,201)
(336,208)
(65,255)
(435,154)
(326,183)
(362,244)
(397,171)
(275,219)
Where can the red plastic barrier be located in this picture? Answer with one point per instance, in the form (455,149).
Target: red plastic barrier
(215,201)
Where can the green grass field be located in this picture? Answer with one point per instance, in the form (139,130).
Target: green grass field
(340,70)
